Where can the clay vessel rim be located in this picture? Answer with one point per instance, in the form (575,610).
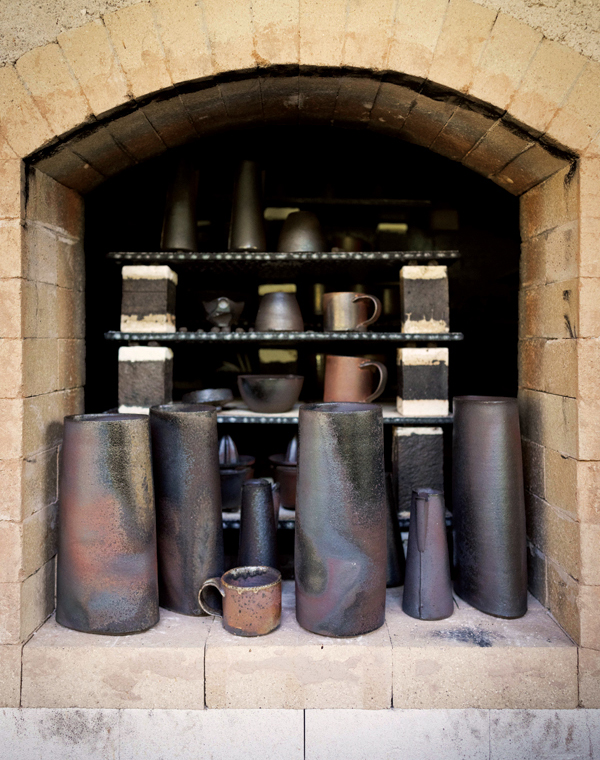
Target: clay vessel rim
(263,570)
(428,491)
(244,461)
(486,399)
(281,461)
(182,408)
(343,293)
(111,417)
(340,407)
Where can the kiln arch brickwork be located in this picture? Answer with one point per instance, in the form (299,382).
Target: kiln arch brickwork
(465,81)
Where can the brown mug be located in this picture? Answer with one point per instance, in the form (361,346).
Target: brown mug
(251,600)
(349,378)
(349,311)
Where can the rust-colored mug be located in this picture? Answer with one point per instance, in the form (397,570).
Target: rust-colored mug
(349,378)
(251,600)
(349,311)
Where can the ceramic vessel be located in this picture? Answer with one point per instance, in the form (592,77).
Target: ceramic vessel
(214,396)
(396,563)
(285,469)
(247,229)
(488,505)
(340,543)
(427,584)
(301,231)
(188,502)
(270,394)
(251,600)
(222,311)
(349,378)
(234,469)
(279,312)
(258,532)
(349,311)
(107,572)
(179,224)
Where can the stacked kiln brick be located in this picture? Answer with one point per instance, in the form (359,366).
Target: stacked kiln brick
(422,381)
(148,305)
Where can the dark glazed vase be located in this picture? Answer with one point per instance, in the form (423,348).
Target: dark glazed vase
(179,224)
(396,563)
(107,579)
(488,505)
(188,502)
(247,229)
(301,232)
(427,586)
(340,551)
(258,532)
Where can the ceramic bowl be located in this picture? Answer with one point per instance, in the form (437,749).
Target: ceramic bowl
(215,396)
(269,394)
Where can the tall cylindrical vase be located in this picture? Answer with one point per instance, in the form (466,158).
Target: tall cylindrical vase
(188,502)
(488,505)
(258,529)
(427,585)
(247,228)
(179,224)
(340,553)
(107,579)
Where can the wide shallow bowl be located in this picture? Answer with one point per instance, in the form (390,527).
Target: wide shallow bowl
(215,396)
(270,394)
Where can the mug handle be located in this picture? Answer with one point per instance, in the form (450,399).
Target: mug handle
(216,582)
(376,314)
(382,379)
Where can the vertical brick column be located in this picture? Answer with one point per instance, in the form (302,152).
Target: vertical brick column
(549,392)
(42,348)
(582,479)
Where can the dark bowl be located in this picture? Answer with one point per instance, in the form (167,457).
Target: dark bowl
(216,396)
(270,394)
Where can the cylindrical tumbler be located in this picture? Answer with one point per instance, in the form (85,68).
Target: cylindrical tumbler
(107,580)
(340,553)
(488,505)
(188,502)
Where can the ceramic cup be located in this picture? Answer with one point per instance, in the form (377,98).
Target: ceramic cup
(251,600)
(349,378)
(349,311)
(279,312)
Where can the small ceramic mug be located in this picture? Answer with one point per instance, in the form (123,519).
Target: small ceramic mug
(251,600)
(349,378)
(348,311)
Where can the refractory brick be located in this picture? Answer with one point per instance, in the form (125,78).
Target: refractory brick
(422,382)
(148,303)
(417,461)
(424,299)
(145,377)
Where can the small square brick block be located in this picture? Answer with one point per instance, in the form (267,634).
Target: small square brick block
(422,382)
(417,460)
(424,299)
(148,303)
(145,377)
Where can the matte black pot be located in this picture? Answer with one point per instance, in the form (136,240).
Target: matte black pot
(179,224)
(340,551)
(258,531)
(396,562)
(107,579)
(488,505)
(247,230)
(188,502)
(427,585)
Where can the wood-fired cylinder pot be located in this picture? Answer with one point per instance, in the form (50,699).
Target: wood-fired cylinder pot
(340,551)
(188,502)
(489,505)
(107,573)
